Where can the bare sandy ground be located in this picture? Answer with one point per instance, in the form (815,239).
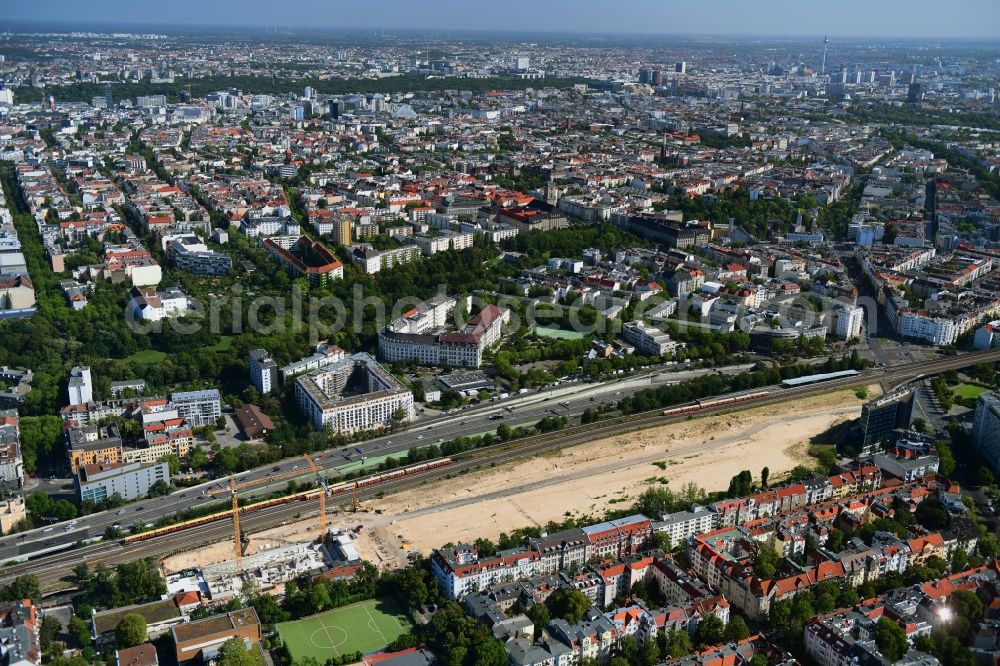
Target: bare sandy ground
(593,477)
(585,479)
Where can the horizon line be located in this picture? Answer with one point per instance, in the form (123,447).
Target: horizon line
(284,29)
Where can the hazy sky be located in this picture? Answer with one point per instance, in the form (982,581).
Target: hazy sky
(933,18)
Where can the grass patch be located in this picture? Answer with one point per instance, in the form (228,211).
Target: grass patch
(968,391)
(147,357)
(364,627)
(558,334)
(224,344)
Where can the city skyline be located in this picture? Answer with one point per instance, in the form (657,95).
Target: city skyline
(969,19)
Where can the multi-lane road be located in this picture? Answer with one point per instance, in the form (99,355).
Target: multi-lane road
(517,410)
(52,566)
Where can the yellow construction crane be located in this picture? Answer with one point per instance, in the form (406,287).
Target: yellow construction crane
(323,490)
(237,535)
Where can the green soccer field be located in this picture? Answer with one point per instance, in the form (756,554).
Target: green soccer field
(364,627)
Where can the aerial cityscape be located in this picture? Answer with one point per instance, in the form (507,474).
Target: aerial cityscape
(534,334)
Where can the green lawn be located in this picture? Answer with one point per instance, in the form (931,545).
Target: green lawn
(148,357)
(224,343)
(364,627)
(557,333)
(968,390)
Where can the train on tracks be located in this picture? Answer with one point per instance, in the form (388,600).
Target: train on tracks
(708,403)
(303,495)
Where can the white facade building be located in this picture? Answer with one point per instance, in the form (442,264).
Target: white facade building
(848,321)
(648,340)
(353,395)
(150,305)
(81,386)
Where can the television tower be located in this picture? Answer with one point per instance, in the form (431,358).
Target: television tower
(822,68)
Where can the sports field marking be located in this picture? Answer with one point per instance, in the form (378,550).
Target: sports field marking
(364,627)
(374,625)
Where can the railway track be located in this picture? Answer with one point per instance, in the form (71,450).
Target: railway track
(50,568)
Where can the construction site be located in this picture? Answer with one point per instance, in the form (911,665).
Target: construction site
(267,560)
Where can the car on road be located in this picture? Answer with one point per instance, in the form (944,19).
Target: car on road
(140,508)
(122,512)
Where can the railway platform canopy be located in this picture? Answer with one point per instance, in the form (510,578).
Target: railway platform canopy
(822,377)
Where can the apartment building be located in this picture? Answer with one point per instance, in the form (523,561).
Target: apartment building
(619,538)
(263,371)
(922,325)
(303,257)
(325,354)
(847,321)
(648,340)
(682,525)
(443,241)
(460,570)
(411,338)
(373,261)
(12,511)
(161,438)
(93,445)
(11,460)
(150,305)
(353,395)
(131,481)
(198,408)
(81,385)
(905,467)
(189,254)
(255,227)
(19,640)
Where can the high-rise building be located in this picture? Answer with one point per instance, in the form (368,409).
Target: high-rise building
(654,77)
(680,67)
(986,428)
(263,371)
(523,64)
(848,321)
(644,75)
(344,232)
(309,92)
(81,386)
(107,95)
(880,419)
(826,41)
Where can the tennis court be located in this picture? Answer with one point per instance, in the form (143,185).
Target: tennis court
(365,627)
